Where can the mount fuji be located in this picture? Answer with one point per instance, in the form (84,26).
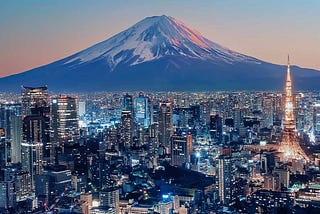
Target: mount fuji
(160,53)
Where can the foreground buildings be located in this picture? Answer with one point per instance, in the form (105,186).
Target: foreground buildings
(162,152)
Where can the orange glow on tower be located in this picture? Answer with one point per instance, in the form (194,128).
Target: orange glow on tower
(289,143)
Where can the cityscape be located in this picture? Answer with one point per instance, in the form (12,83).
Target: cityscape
(158,119)
(161,152)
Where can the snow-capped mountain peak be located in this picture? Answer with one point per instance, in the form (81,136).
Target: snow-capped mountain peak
(153,38)
(160,53)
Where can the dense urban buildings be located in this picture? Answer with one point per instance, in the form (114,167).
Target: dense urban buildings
(160,152)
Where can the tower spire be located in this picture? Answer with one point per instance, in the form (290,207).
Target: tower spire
(288,73)
(290,144)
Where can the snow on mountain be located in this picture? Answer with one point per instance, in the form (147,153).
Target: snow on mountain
(153,38)
(160,53)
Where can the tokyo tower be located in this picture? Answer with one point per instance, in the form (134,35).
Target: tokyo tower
(290,146)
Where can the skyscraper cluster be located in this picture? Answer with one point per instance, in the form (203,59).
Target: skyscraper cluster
(160,152)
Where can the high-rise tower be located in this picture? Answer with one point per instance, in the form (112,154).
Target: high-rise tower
(35,146)
(165,125)
(289,144)
(127,103)
(126,128)
(11,122)
(142,111)
(35,100)
(288,119)
(64,122)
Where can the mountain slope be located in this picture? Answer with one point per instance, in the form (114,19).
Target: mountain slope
(160,53)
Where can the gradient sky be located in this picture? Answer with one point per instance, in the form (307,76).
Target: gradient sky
(37,32)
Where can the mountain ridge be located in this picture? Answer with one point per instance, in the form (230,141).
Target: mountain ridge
(159,53)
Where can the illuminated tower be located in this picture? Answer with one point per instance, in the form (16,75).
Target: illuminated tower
(181,148)
(64,122)
(288,119)
(289,144)
(35,145)
(142,111)
(35,100)
(127,103)
(226,179)
(126,128)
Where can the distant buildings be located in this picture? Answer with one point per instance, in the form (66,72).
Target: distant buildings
(161,152)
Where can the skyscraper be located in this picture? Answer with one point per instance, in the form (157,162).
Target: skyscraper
(142,111)
(237,117)
(127,103)
(7,195)
(11,122)
(225,179)
(34,99)
(180,149)
(165,124)
(216,128)
(126,128)
(35,146)
(34,135)
(267,115)
(64,121)
(4,150)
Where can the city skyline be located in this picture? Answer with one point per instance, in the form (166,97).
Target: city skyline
(201,152)
(38,33)
(178,108)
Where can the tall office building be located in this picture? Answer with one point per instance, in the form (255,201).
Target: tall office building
(180,149)
(267,115)
(35,146)
(4,150)
(35,134)
(126,128)
(34,100)
(165,124)
(23,185)
(237,117)
(316,119)
(142,111)
(82,108)
(11,122)
(7,195)
(226,178)
(127,103)
(284,177)
(53,182)
(64,121)
(110,198)
(8,189)
(216,128)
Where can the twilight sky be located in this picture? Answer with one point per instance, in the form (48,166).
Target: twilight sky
(37,32)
